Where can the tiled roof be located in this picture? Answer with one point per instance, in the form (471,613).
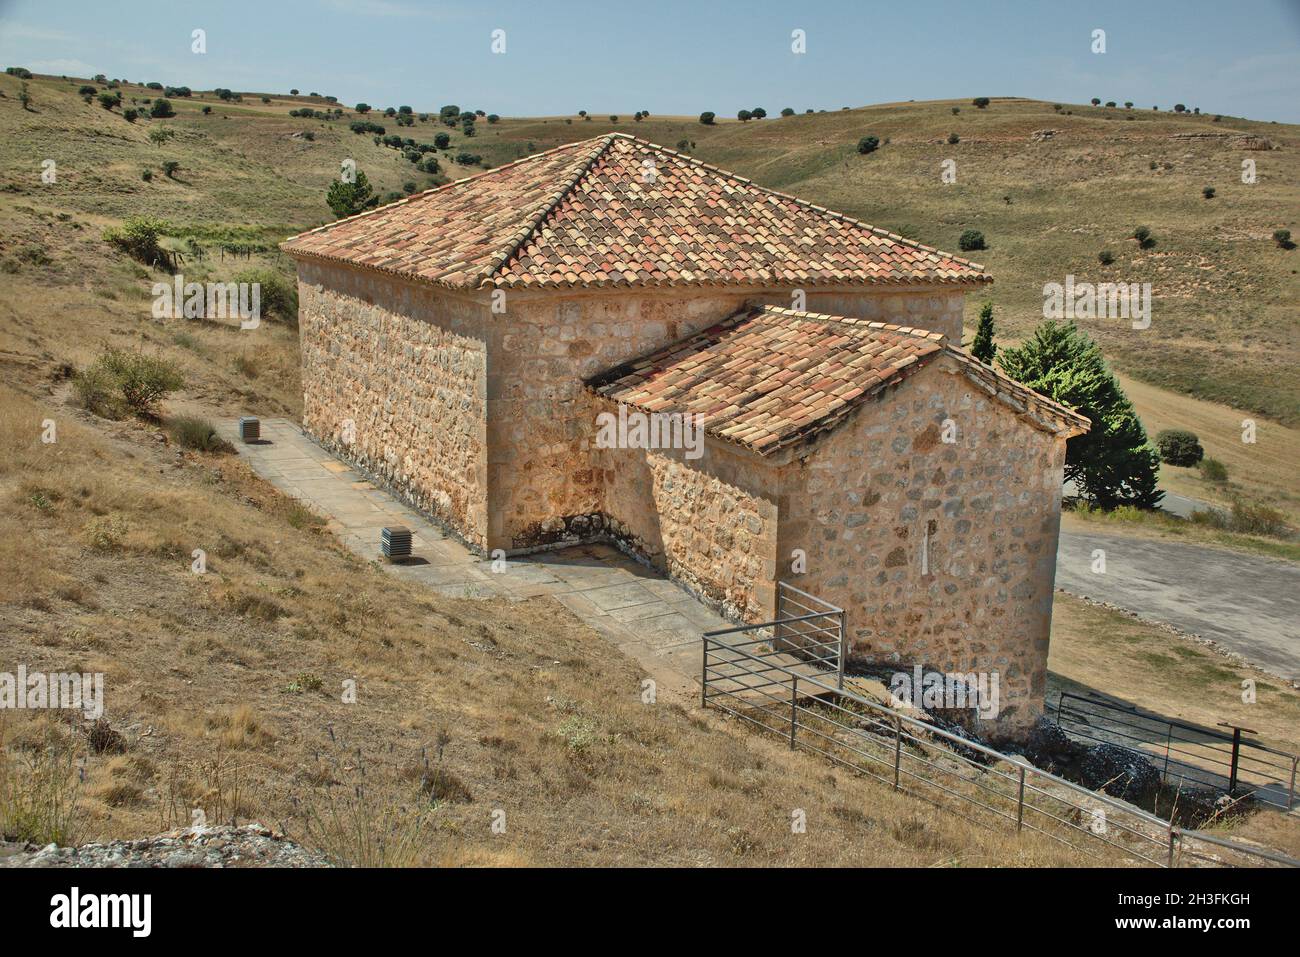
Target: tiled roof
(768,377)
(619,211)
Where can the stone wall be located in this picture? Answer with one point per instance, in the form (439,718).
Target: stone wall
(543,490)
(939,310)
(942,555)
(406,364)
(710,523)
(479,417)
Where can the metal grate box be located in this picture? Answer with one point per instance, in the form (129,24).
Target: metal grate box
(395,541)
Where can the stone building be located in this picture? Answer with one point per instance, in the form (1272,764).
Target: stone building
(465,344)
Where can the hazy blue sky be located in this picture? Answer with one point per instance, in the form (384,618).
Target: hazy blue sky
(669,56)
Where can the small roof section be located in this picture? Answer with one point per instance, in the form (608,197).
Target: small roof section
(767,377)
(618,211)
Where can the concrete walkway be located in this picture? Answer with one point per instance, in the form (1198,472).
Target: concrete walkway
(649,618)
(1249,604)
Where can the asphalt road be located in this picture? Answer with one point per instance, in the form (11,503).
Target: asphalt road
(1248,603)
(1179,505)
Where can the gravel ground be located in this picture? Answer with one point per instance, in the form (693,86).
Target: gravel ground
(251,845)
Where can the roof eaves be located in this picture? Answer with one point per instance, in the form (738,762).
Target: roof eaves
(1031,407)
(796,437)
(1046,414)
(618,282)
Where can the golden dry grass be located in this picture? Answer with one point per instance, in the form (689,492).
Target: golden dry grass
(515,707)
(213,679)
(1159,525)
(1264,471)
(1094,647)
(1147,665)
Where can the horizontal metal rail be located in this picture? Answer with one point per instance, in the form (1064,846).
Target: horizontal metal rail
(1185,752)
(721,632)
(829,628)
(784,587)
(814,635)
(943,768)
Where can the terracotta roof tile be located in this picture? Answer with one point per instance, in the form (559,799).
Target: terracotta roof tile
(768,377)
(584,214)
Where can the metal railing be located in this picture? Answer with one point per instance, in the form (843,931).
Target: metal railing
(810,709)
(811,628)
(1185,753)
(807,633)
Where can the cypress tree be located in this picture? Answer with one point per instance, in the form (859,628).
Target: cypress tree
(1113,464)
(983,348)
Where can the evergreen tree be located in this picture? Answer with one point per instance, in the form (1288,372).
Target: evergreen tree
(348,199)
(983,348)
(1113,464)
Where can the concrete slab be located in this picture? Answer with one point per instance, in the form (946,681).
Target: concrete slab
(609,597)
(1248,604)
(653,620)
(446,575)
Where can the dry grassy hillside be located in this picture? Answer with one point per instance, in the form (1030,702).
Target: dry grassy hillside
(1224,325)
(1224,322)
(224,686)
(226,691)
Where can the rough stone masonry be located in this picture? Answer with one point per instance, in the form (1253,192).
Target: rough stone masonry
(460,345)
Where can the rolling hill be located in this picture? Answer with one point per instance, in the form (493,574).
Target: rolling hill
(1223,326)
(218,680)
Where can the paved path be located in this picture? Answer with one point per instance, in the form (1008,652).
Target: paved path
(651,619)
(1182,506)
(1248,604)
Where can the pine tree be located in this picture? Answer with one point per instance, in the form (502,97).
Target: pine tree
(1113,464)
(348,199)
(983,348)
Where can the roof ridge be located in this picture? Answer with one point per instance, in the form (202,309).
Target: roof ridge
(807,204)
(523,234)
(975,367)
(405,200)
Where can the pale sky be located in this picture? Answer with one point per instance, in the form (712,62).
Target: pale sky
(673,57)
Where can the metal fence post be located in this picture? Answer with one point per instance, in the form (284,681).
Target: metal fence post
(844,650)
(704,676)
(1290,796)
(794,707)
(1020,801)
(1236,755)
(1173,836)
(898,749)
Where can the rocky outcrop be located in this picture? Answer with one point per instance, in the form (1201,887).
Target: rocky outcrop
(250,845)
